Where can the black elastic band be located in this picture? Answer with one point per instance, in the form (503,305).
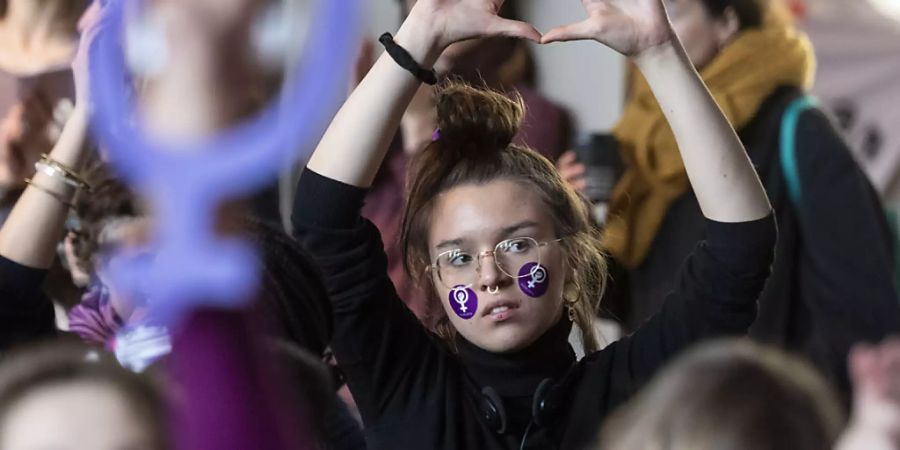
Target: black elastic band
(406,61)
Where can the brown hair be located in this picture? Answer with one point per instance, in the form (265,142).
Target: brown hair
(476,128)
(54,364)
(734,395)
(109,199)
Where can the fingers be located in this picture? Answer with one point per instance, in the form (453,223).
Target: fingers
(875,370)
(862,364)
(513,28)
(566,159)
(572,171)
(90,17)
(573,32)
(89,26)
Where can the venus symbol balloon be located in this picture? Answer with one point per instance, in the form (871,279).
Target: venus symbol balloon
(191,266)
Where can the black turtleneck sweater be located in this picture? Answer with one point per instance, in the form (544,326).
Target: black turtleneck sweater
(414,393)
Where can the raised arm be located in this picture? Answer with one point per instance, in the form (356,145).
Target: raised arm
(720,172)
(359,136)
(35,225)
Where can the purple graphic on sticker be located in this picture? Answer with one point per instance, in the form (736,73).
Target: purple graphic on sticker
(464,302)
(534,280)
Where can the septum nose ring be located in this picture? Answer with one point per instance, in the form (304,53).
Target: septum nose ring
(493,290)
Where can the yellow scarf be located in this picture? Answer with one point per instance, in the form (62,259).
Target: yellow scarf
(740,78)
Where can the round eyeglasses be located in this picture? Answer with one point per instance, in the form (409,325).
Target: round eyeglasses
(459,268)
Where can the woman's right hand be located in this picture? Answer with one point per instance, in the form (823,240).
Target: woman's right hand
(572,171)
(453,21)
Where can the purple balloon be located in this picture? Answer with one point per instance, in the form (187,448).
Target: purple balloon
(186,183)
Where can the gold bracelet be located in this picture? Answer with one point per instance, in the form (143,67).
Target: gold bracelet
(55,173)
(58,197)
(69,173)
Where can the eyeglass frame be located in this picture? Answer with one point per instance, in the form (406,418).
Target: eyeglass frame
(436,267)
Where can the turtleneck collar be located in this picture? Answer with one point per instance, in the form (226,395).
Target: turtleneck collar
(518,374)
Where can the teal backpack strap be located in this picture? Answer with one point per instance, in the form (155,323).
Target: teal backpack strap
(788,153)
(788,143)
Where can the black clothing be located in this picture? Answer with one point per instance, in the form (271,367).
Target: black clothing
(832,281)
(414,393)
(26,314)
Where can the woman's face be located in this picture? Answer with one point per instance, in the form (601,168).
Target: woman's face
(498,313)
(702,35)
(74,416)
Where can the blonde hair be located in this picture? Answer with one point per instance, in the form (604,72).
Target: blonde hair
(476,129)
(729,395)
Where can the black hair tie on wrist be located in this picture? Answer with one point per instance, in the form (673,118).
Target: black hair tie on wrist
(406,61)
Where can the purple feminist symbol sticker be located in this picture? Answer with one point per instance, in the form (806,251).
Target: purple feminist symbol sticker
(464,302)
(534,280)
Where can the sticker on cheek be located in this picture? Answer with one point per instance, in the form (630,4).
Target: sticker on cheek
(534,280)
(464,302)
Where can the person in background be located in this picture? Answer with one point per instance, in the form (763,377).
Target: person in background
(71,397)
(832,283)
(732,394)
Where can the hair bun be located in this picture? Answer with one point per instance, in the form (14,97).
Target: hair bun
(473,120)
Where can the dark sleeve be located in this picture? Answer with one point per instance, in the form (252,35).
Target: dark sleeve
(715,296)
(387,355)
(846,245)
(26,314)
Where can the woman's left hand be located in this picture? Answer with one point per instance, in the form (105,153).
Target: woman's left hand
(627,26)
(88,27)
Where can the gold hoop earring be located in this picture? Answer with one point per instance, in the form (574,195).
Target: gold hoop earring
(570,297)
(493,290)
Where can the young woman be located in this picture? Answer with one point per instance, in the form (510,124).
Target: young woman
(832,283)
(501,63)
(506,247)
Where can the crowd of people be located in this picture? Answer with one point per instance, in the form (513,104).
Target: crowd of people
(442,263)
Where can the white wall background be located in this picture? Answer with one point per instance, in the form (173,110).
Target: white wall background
(584,77)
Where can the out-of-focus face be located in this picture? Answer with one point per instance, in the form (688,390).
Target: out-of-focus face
(25,133)
(702,35)
(124,235)
(498,313)
(74,416)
